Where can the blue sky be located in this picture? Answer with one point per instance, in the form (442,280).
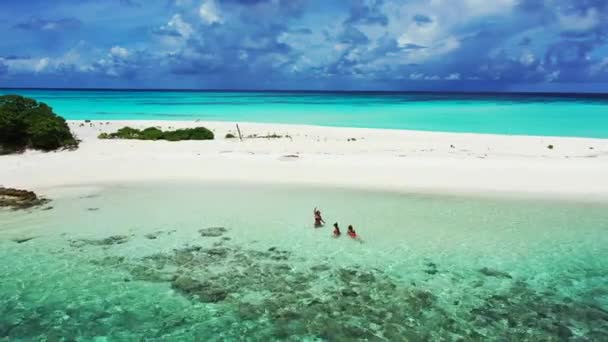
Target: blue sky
(511,45)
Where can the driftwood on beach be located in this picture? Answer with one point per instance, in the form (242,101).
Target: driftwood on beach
(19,199)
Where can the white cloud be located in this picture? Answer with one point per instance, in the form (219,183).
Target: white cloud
(42,64)
(180,26)
(34,65)
(423,35)
(580,22)
(553,76)
(453,77)
(488,7)
(416,76)
(118,51)
(600,67)
(209,13)
(527,58)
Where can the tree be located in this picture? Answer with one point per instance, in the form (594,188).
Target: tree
(26,123)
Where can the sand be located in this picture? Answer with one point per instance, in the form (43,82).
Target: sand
(393,160)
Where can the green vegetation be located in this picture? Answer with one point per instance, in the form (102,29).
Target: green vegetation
(230,136)
(154,133)
(26,123)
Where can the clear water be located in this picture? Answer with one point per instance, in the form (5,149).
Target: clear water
(555,115)
(429,267)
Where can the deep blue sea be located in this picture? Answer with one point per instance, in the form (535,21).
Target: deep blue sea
(498,113)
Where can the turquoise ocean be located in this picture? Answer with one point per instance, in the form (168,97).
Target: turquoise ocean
(527,114)
(235,262)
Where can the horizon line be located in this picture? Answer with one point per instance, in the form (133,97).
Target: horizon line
(309,91)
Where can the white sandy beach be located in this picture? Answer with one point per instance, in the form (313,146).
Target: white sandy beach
(409,161)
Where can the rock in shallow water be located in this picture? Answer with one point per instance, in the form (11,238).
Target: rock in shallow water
(495,273)
(213,231)
(204,291)
(112,240)
(22,240)
(19,199)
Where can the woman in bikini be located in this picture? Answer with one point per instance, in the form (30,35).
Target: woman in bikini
(337,232)
(318,219)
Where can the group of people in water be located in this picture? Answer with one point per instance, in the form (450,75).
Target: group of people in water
(319,222)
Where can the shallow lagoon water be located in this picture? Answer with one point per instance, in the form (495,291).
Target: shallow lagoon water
(579,115)
(137,261)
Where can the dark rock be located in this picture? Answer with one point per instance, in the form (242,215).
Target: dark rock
(204,291)
(155,235)
(495,273)
(349,293)
(248,311)
(191,249)
(279,257)
(109,261)
(347,275)
(320,268)
(213,231)
(366,277)
(287,314)
(562,331)
(145,273)
(112,240)
(420,300)
(22,240)
(17,199)
(92,209)
(218,252)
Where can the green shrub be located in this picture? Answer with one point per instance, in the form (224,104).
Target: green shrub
(127,133)
(230,136)
(177,135)
(201,133)
(26,123)
(153,133)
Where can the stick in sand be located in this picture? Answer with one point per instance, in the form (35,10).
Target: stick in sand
(239,130)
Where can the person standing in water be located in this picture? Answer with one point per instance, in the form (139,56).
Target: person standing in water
(336,230)
(318,219)
(351,232)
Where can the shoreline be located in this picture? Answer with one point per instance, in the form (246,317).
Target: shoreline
(377,159)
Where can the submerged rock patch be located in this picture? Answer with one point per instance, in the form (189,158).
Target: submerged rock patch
(213,231)
(24,239)
(259,288)
(18,199)
(490,272)
(109,241)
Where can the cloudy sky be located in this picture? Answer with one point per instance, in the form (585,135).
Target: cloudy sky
(515,45)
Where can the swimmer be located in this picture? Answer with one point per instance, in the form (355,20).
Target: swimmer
(336,230)
(351,232)
(318,219)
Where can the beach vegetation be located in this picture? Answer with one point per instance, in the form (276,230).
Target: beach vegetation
(230,136)
(26,123)
(155,133)
(550,147)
